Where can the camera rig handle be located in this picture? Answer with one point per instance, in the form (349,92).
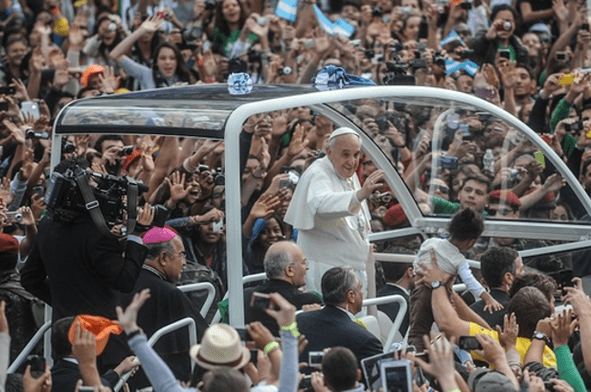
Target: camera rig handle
(93,207)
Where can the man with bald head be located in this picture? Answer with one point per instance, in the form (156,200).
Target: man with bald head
(286,267)
(328,208)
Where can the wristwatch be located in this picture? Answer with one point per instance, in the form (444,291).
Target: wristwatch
(436,284)
(538,335)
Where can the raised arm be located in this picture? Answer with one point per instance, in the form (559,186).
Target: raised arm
(150,25)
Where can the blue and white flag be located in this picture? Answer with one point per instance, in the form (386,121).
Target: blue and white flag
(451,37)
(470,67)
(453,66)
(325,24)
(287,9)
(343,28)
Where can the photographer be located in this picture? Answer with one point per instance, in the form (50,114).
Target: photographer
(77,269)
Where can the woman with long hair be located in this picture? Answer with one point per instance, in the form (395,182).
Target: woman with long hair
(168,67)
(232,27)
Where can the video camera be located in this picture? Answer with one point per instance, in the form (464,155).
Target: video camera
(396,71)
(66,200)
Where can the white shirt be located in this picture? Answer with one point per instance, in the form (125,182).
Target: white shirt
(333,225)
(449,260)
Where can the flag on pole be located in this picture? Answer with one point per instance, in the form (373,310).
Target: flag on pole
(343,28)
(325,24)
(287,9)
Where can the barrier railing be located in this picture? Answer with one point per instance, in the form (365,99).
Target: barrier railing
(201,286)
(399,317)
(18,361)
(245,279)
(43,332)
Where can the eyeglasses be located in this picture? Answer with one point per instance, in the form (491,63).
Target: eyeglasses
(500,211)
(441,188)
(181,254)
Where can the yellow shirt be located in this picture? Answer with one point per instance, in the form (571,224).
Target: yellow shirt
(522,345)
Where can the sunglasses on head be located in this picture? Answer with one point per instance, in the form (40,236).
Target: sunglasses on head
(441,188)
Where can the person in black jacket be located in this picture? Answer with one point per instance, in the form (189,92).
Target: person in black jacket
(77,269)
(499,267)
(334,325)
(286,266)
(500,35)
(399,281)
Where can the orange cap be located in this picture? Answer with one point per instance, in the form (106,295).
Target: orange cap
(100,327)
(91,70)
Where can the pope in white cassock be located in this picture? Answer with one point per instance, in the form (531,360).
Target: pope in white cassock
(328,208)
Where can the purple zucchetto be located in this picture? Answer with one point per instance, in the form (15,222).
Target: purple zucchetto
(157,235)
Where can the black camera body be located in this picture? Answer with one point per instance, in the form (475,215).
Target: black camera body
(396,74)
(439,60)
(574,127)
(65,201)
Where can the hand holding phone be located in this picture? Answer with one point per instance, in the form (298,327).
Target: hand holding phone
(261,301)
(468,343)
(315,358)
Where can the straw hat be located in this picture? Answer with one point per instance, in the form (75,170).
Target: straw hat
(220,346)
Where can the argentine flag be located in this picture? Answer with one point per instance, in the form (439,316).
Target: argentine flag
(451,37)
(325,24)
(287,9)
(470,67)
(343,28)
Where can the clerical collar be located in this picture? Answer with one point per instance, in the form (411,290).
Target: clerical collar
(154,271)
(351,315)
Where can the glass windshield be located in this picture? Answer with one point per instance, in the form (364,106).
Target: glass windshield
(452,155)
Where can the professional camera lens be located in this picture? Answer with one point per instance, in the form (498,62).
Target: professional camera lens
(112,27)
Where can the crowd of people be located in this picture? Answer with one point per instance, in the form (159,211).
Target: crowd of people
(310,196)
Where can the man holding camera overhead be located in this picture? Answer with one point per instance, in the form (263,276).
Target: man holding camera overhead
(77,269)
(329,210)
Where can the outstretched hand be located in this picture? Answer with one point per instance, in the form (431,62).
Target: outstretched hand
(128,318)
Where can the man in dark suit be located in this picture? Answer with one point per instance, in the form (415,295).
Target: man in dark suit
(499,268)
(286,266)
(399,281)
(334,325)
(167,304)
